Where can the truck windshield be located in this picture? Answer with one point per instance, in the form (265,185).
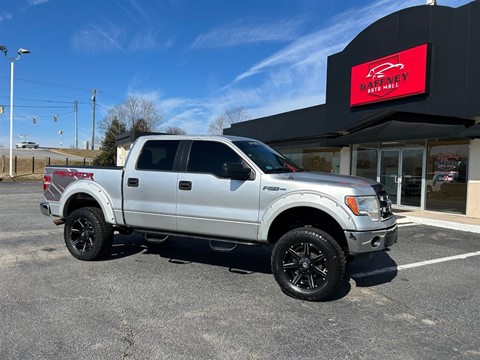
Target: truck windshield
(266,158)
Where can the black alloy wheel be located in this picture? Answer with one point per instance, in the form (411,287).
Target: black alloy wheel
(87,235)
(308,264)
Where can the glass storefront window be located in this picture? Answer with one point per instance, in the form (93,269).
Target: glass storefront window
(446,178)
(327,160)
(314,159)
(365,162)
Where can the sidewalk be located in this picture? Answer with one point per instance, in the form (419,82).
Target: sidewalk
(432,218)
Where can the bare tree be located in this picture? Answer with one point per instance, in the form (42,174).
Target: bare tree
(136,114)
(175,130)
(229,117)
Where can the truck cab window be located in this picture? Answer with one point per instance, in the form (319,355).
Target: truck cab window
(208,157)
(158,155)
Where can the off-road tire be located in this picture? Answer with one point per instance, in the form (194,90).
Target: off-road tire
(87,236)
(308,264)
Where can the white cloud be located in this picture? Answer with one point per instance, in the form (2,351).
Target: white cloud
(131,28)
(95,39)
(37,2)
(242,33)
(4,15)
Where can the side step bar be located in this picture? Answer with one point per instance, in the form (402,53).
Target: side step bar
(156,238)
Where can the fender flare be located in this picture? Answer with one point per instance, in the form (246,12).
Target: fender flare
(322,202)
(92,189)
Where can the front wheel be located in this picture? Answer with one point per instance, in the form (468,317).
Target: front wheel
(87,236)
(308,264)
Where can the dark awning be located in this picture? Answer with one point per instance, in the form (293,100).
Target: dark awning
(390,126)
(399,130)
(473,132)
(400,126)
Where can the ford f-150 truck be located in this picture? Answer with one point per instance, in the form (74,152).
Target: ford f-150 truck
(231,190)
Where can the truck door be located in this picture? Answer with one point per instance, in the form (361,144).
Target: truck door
(150,185)
(210,204)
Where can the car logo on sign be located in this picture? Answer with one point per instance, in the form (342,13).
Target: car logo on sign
(384,76)
(380,71)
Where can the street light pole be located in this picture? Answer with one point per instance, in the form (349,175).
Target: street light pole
(20,52)
(11,118)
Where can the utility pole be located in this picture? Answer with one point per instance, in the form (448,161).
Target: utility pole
(94,92)
(75,109)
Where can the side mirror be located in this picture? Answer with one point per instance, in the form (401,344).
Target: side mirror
(235,171)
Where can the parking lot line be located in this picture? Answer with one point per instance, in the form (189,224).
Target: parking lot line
(407,224)
(413,265)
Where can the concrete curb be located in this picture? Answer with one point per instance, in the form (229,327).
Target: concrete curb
(444,224)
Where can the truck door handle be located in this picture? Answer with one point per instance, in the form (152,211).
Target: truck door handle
(132,182)
(185,185)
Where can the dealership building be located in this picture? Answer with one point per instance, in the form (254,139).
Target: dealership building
(402,107)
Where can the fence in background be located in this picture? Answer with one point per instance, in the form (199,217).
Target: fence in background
(27,165)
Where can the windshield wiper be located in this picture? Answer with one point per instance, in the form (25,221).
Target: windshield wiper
(280,169)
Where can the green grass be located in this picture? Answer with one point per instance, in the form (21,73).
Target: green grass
(29,171)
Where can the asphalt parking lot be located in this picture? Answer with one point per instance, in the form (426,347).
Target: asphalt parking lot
(182,301)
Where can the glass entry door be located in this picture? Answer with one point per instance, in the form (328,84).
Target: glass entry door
(401,172)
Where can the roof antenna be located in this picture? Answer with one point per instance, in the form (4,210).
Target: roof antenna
(431,2)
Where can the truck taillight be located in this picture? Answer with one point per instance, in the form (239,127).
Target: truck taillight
(47,179)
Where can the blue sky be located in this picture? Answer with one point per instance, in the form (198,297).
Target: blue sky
(193,58)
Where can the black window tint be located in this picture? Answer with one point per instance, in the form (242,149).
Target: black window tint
(208,157)
(158,155)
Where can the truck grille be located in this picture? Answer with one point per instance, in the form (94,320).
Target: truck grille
(385,202)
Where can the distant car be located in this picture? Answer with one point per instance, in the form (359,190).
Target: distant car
(27,144)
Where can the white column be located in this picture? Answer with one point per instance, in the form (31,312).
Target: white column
(345,160)
(473,183)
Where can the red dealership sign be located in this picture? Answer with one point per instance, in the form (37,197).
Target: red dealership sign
(391,77)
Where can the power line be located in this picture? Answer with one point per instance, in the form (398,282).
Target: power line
(103,106)
(112,96)
(46,83)
(65,86)
(40,106)
(47,101)
(44,115)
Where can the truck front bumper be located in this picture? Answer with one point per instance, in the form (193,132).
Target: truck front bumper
(361,242)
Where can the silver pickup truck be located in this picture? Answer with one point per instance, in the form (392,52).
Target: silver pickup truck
(228,190)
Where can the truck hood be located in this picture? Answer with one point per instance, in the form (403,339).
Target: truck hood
(329,179)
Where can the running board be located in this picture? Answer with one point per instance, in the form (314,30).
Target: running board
(160,236)
(221,248)
(156,238)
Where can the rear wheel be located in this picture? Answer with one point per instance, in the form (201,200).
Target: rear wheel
(308,264)
(87,235)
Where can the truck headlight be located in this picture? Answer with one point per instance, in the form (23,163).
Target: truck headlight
(364,205)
